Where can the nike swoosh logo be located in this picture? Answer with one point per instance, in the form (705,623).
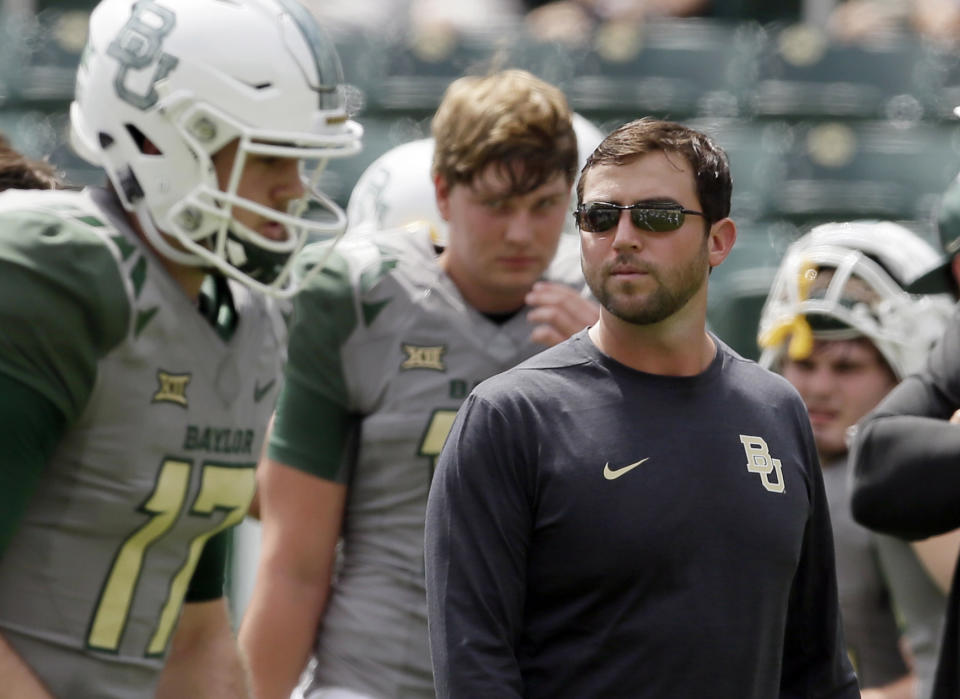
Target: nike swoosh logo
(260,391)
(612,474)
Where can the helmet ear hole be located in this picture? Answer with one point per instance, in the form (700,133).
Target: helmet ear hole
(144,144)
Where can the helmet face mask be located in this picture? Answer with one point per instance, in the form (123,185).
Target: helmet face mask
(159,95)
(842,281)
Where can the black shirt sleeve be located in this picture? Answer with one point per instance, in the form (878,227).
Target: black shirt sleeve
(814,648)
(906,453)
(477,535)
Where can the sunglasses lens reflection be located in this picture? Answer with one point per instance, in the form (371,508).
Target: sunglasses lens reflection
(656,220)
(599,218)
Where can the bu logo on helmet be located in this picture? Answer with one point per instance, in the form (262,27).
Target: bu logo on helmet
(138,46)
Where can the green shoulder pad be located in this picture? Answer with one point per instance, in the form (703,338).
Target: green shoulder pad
(310,430)
(324,317)
(63,304)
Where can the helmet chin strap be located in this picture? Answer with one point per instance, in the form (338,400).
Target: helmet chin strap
(159,240)
(260,264)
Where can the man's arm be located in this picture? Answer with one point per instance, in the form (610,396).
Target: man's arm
(19,682)
(301,515)
(815,661)
(203,662)
(938,556)
(903,688)
(301,481)
(31,428)
(477,533)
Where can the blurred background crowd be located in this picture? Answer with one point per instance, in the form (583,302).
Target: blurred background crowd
(828,110)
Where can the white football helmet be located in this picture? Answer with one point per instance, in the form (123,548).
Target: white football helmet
(396,189)
(844,280)
(191,77)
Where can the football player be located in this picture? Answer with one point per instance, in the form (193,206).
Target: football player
(840,327)
(384,347)
(140,350)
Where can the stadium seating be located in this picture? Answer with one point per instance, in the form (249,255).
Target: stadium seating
(675,68)
(834,170)
(815,130)
(799,73)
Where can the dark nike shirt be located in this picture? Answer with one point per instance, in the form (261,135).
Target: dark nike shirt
(598,531)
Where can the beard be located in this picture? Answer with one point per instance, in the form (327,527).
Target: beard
(674,288)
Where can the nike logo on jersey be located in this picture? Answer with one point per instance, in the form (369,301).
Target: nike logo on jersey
(260,391)
(612,474)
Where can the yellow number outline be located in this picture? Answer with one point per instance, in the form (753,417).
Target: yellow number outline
(222,487)
(435,435)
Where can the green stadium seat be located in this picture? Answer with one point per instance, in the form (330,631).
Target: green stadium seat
(672,68)
(845,169)
(801,74)
(943,93)
(410,74)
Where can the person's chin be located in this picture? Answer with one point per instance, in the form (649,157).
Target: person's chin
(519,273)
(829,442)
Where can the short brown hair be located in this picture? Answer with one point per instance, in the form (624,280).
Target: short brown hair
(17,171)
(637,138)
(511,118)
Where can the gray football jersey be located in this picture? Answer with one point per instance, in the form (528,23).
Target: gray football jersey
(386,334)
(869,619)
(921,607)
(165,418)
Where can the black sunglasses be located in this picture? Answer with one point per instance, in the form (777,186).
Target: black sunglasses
(599,216)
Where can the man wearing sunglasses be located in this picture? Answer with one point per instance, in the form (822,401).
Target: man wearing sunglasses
(637,511)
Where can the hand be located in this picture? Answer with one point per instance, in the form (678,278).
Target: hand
(558,312)
(955,418)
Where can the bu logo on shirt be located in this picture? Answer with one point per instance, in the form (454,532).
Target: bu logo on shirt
(759,461)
